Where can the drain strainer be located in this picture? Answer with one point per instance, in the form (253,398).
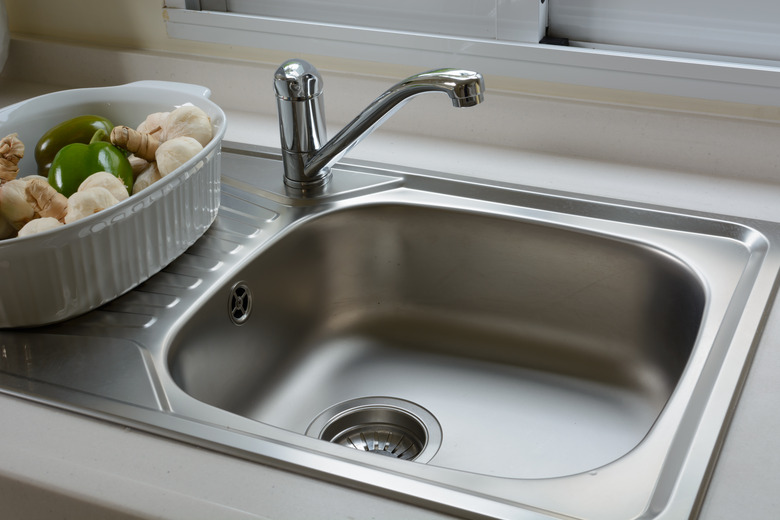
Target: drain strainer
(240,303)
(382,425)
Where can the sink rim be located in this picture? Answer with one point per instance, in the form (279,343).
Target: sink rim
(178,413)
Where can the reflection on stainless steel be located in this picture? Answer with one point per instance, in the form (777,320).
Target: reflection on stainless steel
(298,86)
(548,356)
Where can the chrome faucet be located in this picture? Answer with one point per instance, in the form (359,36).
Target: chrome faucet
(306,155)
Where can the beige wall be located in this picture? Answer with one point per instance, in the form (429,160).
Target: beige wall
(140,24)
(134,24)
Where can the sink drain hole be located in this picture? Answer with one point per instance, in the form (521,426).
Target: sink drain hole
(240,303)
(384,431)
(384,426)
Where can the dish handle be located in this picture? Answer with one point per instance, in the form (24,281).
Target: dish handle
(188,88)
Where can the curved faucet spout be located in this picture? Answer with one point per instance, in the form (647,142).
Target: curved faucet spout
(465,89)
(306,168)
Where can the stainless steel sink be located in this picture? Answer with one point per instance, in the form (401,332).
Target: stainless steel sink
(513,354)
(542,351)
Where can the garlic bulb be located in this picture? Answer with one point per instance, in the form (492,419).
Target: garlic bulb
(175,152)
(13,203)
(88,202)
(39,225)
(153,123)
(187,121)
(108,181)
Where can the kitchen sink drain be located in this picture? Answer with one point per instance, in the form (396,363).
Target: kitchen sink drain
(240,303)
(382,425)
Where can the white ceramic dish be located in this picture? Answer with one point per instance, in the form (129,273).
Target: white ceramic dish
(59,274)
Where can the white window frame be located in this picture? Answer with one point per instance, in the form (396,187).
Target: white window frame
(677,74)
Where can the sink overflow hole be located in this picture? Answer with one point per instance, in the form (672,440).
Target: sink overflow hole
(240,303)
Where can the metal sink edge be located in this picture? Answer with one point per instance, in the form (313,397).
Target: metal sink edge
(256,210)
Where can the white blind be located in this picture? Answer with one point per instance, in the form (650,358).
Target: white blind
(508,20)
(745,29)
(474,18)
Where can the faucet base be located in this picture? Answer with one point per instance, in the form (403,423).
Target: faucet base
(293,171)
(308,184)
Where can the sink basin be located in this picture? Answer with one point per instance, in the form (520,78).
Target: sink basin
(541,351)
(471,347)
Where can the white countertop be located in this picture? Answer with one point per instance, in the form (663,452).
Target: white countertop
(57,462)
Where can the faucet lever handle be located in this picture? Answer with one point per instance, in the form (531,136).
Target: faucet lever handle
(297,80)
